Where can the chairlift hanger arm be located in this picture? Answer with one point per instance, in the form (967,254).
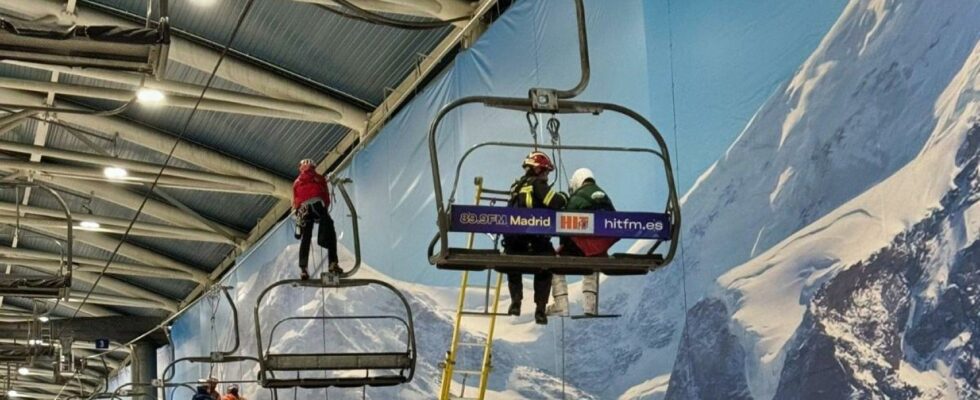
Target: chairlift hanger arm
(341,184)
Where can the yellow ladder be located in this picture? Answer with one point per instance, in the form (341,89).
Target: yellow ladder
(489,312)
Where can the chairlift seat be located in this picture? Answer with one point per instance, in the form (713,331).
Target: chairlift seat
(133,49)
(342,382)
(478,260)
(338,361)
(33,286)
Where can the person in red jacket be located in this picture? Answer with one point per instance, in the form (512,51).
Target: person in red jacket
(311,199)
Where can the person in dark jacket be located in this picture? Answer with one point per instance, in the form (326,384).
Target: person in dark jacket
(532,191)
(208,391)
(586,196)
(311,202)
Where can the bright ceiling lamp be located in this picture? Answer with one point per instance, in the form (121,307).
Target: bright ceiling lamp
(89,226)
(204,3)
(115,172)
(12,393)
(23,371)
(150,96)
(44,318)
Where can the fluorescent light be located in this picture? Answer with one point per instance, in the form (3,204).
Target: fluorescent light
(23,371)
(203,3)
(145,95)
(12,393)
(115,172)
(89,225)
(43,318)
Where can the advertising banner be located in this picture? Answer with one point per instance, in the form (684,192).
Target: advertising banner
(507,220)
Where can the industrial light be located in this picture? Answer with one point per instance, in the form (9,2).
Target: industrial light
(44,318)
(145,95)
(115,172)
(89,226)
(203,3)
(23,371)
(12,393)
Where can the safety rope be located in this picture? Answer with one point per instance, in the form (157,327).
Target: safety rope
(562,357)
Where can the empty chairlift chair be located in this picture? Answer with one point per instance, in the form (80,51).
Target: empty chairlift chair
(132,49)
(379,368)
(32,286)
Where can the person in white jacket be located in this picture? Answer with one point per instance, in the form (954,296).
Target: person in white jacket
(586,195)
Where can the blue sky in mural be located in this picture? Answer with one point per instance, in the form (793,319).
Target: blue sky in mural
(729,56)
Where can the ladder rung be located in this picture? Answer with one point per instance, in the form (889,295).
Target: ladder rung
(472,344)
(483,314)
(451,397)
(467,372)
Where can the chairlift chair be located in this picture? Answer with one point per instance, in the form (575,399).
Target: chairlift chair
(391,368)
(132,49)
(486,219)
(32,286)
(380,362)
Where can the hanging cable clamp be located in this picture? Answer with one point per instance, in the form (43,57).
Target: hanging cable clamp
(543,100)
(157,383)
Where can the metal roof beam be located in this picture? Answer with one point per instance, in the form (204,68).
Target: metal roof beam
(438,9)
(310,112)
(41,259)
(52,219)
(127,250)
(128,294)
(120,196)
(204,59)
(179,101)
(155,140)
(167,180)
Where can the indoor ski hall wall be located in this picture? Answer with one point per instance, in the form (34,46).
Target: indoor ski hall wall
(532,45)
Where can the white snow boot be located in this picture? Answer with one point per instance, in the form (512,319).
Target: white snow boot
(590,294)
(559,292)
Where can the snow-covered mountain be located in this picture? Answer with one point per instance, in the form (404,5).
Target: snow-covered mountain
(855,242)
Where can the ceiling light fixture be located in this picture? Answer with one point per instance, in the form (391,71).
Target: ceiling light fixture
(150,96)
(115,173)
(89,225)
(23,370)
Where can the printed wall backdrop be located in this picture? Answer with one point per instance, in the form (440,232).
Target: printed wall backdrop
(828,156)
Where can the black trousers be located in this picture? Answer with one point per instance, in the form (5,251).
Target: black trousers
(326,234)
(534,246)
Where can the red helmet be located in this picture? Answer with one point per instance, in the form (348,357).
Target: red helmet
(539,161)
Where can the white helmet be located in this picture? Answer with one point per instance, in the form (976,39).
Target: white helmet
(578,178)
